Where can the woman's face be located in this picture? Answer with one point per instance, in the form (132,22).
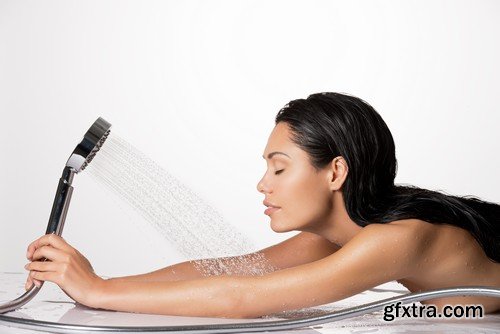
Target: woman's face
(291,183)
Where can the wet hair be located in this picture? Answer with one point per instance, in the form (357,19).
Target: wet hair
(327,125)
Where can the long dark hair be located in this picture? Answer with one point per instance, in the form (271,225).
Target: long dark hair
(327,125)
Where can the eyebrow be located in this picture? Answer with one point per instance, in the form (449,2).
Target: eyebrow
(272,154)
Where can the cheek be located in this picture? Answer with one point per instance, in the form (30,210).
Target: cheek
(313,205)
(307,200)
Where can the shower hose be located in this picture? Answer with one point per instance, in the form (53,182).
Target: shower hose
(245,327)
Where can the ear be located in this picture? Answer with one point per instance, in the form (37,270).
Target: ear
(337,173)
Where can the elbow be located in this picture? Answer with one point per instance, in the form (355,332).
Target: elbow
(239,304)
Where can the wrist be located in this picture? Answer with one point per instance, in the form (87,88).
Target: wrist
(97,293)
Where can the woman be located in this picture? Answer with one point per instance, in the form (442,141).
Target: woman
(331,169)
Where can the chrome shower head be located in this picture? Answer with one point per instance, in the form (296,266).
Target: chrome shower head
(89,146)
(82,155)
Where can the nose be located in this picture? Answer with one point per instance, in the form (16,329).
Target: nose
(262,187)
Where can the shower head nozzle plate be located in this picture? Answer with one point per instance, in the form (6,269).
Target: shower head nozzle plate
(92,141)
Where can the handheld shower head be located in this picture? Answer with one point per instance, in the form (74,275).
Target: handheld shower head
(82,155)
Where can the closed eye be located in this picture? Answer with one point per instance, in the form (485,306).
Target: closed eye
(278,171)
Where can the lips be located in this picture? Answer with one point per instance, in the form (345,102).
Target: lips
(270,205)
(271,208)
(269,211)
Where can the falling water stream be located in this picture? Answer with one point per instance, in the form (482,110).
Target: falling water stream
(181,216)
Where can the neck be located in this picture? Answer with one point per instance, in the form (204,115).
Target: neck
(338,227)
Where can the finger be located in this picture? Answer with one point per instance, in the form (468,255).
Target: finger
(43,276)
(48,240)
(27,285)
(30,281)
(50,253)
(31,248)
(41,266)
(45,240)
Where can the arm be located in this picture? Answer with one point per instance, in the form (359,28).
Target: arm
(72,265)
(372,257)
(302,248)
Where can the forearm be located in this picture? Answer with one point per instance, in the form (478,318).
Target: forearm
(244,265)
(206,297)
(177,272)
(228,296)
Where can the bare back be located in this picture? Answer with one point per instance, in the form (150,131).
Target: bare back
(451,257)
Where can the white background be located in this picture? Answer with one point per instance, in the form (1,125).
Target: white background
(196,86)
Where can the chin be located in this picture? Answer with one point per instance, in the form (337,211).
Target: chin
(280,228)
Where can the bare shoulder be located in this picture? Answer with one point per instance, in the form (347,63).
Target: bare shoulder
(411,223)
(403,242)
(408,228)
(419,234)
(418,229)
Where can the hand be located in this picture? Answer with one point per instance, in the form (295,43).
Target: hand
(65,266)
